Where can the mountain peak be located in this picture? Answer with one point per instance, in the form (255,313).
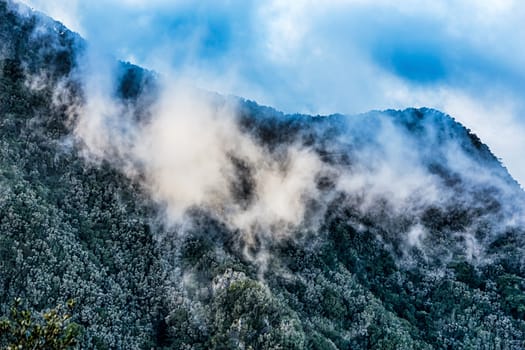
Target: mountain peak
(178,218)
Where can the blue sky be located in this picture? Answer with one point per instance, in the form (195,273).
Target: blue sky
(466,58)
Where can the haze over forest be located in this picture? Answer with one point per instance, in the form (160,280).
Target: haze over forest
(179,216)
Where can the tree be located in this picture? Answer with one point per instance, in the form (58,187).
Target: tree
(52,330)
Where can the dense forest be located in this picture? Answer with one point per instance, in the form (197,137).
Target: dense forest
(407,232)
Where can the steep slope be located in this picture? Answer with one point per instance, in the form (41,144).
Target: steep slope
(406,232)
(68,231)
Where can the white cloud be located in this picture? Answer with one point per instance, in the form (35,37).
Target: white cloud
(320,57)
(494,118)
(65,11)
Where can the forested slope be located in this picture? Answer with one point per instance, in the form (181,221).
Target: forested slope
(409,233)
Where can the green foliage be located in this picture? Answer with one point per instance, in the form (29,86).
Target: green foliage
(512,290)
(247,315)
(52,330)
(77,228)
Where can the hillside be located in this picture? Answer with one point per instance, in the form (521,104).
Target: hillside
(197,221)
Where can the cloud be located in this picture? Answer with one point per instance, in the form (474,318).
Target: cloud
(344,56)
(189,152)
(64,11)
(264,179)
(494,116)
(192,150)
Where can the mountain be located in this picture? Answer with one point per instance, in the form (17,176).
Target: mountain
(189,220)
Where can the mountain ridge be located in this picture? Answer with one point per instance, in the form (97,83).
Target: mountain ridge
(406,231)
